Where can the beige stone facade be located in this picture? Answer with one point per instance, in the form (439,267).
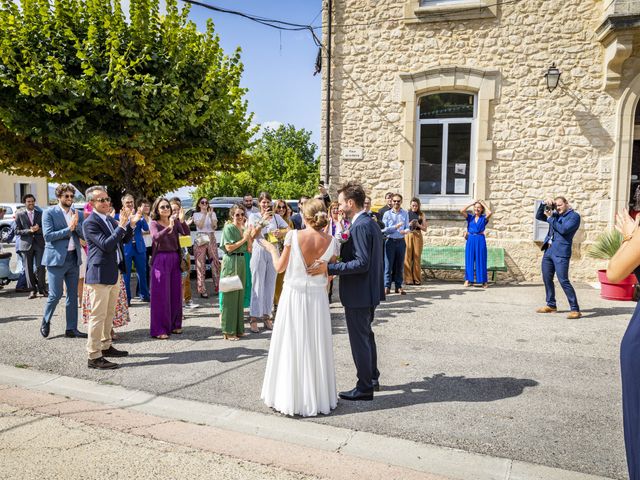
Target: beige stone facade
(13,187)
(526,143)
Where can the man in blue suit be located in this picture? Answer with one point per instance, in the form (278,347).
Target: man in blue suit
(563,224)
(62,230)
(105,263)
(135,252)
(361,287)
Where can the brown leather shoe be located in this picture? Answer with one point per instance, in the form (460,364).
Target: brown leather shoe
(546,309)
(574,315)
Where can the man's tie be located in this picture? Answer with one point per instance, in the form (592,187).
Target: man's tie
(119,255)
(30,214)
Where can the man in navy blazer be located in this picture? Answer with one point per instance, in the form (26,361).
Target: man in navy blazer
(563,224)
(62,231)
(105,263)
(135,252)
(361,288)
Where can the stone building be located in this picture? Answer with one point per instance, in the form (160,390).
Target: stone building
(447,100)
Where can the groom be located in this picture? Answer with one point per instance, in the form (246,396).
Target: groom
(361,287)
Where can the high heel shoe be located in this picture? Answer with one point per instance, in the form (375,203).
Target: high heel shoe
(253,325)
(230,337)
(268,324)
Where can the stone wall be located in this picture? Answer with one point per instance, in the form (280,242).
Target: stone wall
(544,144)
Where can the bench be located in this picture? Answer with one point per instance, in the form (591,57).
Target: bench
(438,257)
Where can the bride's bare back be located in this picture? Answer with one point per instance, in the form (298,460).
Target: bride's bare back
(313,244)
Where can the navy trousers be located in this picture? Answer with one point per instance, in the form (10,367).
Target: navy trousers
(559,266)
(139,259)
(394,250)
(363,346)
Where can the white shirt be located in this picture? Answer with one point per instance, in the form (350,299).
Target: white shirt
(71,247)
(353,220)
(208,221)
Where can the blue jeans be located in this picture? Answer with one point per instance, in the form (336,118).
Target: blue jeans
(140,261)
(69,274)
(559,266)
(394,250)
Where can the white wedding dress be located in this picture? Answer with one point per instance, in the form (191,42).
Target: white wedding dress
(300,375)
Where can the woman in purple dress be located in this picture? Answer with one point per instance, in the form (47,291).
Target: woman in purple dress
(166,277)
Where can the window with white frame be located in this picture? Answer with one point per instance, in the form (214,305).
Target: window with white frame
(446,129)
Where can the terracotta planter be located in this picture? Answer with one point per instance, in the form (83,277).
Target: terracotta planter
(616,291)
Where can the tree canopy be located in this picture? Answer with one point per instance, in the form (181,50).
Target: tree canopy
(282,162)
(144,103)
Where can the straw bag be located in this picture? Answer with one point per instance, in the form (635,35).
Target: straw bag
(232,283)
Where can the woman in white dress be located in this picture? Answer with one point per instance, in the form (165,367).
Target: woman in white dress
(300,374)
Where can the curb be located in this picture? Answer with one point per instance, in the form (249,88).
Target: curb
(292,444)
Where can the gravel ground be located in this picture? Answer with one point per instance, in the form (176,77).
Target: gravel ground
(467,368)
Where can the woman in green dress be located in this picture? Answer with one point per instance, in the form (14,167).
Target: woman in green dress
(234,243)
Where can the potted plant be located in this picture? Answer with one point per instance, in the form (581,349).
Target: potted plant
(605,247)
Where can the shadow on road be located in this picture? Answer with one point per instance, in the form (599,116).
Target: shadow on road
(440,388)
(194,356)
(17,318)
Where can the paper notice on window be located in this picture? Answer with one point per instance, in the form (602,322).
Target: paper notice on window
(459,185)
(460,169)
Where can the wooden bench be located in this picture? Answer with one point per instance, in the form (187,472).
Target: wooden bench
(438,257)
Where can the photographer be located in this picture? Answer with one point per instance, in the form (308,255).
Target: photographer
(563,224)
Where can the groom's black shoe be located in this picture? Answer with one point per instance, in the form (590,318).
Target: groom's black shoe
(356,394)
(376,385)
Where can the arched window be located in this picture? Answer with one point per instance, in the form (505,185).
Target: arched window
(446,132)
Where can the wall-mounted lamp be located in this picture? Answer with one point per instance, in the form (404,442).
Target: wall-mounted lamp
(553,77)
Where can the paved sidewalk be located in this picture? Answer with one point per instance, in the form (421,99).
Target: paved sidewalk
(75,419)
(468,369)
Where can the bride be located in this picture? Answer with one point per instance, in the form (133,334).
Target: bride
(300,376)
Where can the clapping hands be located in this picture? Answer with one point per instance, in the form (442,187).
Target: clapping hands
(74,221)
(625,224)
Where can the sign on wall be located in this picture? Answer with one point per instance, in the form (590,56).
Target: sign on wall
(352,153)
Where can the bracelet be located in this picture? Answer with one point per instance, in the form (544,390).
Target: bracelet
(626,238)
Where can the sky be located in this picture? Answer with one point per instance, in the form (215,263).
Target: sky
(278,66)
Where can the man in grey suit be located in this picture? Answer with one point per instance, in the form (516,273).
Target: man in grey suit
(31,245)
(62,230)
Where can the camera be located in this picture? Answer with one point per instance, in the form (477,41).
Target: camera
(550,208)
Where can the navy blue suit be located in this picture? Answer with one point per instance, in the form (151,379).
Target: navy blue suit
(102,258)
(361,290)
(557,254)
(135,251)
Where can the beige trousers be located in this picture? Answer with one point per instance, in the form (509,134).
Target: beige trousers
(103,299)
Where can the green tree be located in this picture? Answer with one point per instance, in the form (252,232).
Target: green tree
(282,162)
(145,105)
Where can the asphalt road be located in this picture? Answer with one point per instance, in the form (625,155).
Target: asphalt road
(466,368)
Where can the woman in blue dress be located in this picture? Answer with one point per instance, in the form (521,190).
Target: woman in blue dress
(626,259)
(475,254)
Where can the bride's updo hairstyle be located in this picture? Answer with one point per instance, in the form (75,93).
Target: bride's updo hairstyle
(315,214)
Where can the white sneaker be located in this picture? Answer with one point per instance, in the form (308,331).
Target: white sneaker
(189,304)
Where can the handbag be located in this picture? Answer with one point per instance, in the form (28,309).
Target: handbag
(231,283)
(185,241)
(202,239)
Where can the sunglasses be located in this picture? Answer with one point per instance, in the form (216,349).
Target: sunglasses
(103,200)
(70,195)
(164,207)
(397,201)
(238,214)
(203,202)
(281,207)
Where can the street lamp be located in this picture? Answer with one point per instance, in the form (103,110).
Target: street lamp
(553,77)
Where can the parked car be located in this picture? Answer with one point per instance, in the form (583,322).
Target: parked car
(9,216)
